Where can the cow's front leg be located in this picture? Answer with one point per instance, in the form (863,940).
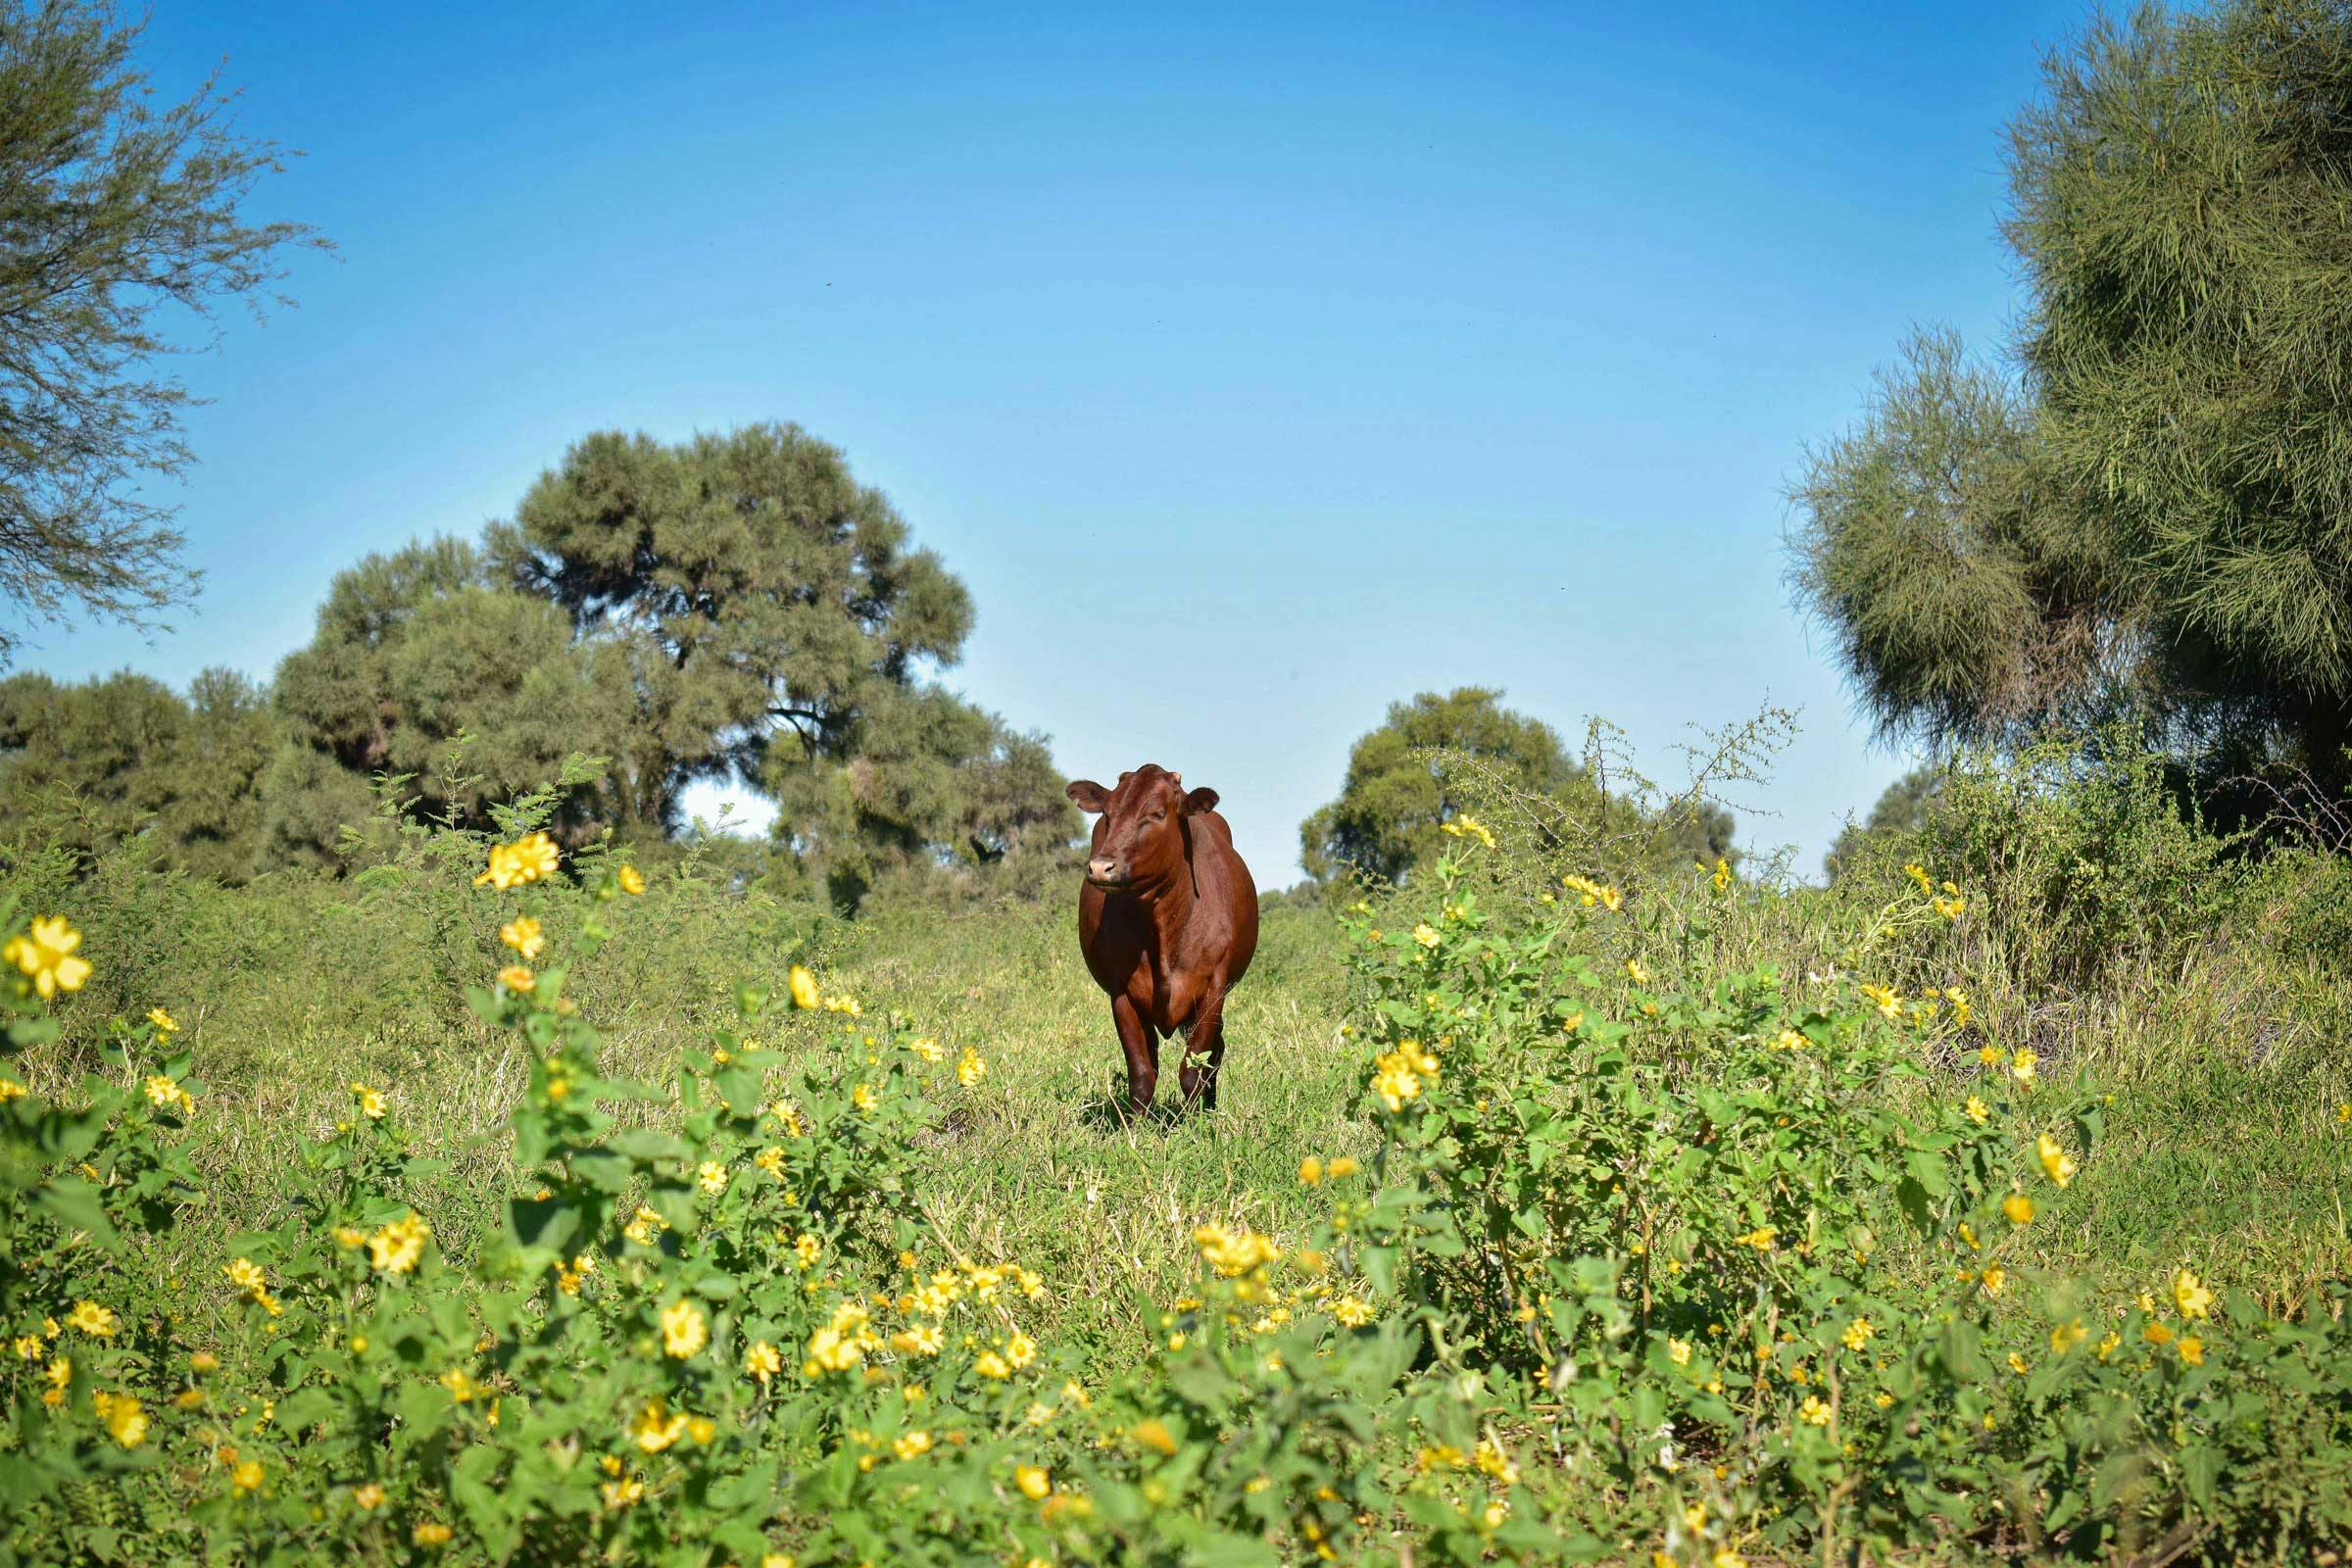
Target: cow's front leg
(1143,1054)
(1204,1052)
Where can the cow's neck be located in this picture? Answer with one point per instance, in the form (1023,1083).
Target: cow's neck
(1168,904)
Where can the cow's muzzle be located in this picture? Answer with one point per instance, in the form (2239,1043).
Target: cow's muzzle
(1105,874)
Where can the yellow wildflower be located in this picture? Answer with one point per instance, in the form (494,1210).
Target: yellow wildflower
(632,881)
(762,1360)
(684,1329)
(2055,1159)
(397,1248)
(1975,1110)
(524,935)
(970,1068)
(2192,1298)
(91,1319)
(45,954)
(371,1102)
(2018,1207)
(163,1020)
(803,988)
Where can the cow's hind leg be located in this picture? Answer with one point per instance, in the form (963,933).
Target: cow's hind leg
(1143,1055)
(1204,1054)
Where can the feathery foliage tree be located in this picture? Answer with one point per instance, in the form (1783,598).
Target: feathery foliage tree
(112,211)
(420,648)
(1409,778)
(2154,511)
(125,757)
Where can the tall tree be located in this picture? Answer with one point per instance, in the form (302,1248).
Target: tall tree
(112,211)
(766,603)
(417,648)
(1435,756)
(1901,810)
(2151,505)
(124,758)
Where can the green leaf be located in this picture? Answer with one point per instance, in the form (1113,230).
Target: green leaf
(75,1203)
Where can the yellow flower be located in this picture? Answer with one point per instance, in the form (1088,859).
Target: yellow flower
(2192,1349)
(913,1446)
(2020,1066)
(369,1495)
(165,1094)
(430,1533)
(632,881)
(2055,1159)
(1813,1413)
(621,1493)
(1857,1333)
(1761,1238)
(656,1428)
(2157,1334)
(45,953)
(246,1475)
(1975,1110)
(1033,1481)
(1789,1040)
(524,935)
(1310,1171)
(1426,935)
(970,1069)
(527,860)
(2192,1298)
(1153,1434)
(1723,875)
(1020,1350)
(993,1366)
(125,1421)
(1679,1351)
(163,1020)
(518,979)
(712,1177)
(762,1360)
(1635,973)
(1234,1253)
(92,1319)
(2066,1336)
(10,1089)
(58,1371)
(2018,1207)
(1995,1277)
(398,1247)
(924,1339)
(371,1102)
(684,1329)
(1342,1169)
(803,988)
(2016,1363)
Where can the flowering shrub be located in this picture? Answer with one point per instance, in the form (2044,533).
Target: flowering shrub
(1764,1246)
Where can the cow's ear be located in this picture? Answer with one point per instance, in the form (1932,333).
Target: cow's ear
(1201,800)
(1089,795)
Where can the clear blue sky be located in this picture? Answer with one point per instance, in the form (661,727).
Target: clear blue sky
(1255,366)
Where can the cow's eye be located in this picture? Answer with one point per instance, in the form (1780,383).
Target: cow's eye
(1160,816)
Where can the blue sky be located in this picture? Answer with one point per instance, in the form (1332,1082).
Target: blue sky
(1255,367)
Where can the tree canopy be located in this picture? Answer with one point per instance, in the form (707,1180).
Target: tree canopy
(114,213)
(125,757)
(2148,506)
(1436,756)
(1902,808)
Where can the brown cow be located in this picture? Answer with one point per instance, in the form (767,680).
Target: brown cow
(1168,920)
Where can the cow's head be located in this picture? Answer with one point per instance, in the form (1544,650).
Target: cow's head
(1141,840)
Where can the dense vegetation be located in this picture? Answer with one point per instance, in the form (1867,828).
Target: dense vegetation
(1984,1202)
